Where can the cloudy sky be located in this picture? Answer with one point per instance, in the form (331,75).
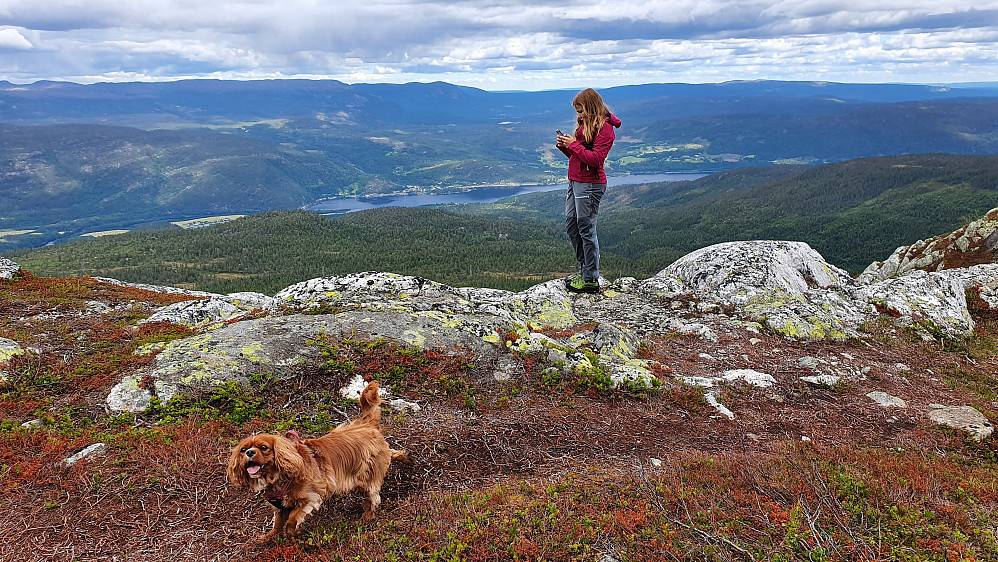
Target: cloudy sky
(502,44)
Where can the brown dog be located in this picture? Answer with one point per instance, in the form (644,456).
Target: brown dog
(297,476)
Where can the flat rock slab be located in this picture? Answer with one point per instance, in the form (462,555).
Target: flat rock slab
(92,451)
(749,376)
(886,400)
(966,418)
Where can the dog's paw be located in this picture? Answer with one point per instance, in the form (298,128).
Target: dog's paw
(267,537)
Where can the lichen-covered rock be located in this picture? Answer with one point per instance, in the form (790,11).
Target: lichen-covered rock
(983,278)
(197,314)
(507,368)
(374,288)
(932,301)
(8,269)
(614,342)
(974,244)
(133,395)
(711,398)
(276,344)
(734,270)
(966,418)
(530,343)
(664,285)
(786,286)
(633,374)
(8,349)
(247,300)
(545,304)
(92,451)
(828,381)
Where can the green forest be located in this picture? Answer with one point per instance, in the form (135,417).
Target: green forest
(853,213)
(269,251)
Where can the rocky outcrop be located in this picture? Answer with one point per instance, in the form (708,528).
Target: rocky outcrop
(546,304)
(733,289)
(971,245)
(784,287)
(212,311)
(416,312)
(8,268)
(935,302)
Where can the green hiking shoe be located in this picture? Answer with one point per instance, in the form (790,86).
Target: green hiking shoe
(576,279)
(580,285)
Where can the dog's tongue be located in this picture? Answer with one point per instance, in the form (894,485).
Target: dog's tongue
(253,469)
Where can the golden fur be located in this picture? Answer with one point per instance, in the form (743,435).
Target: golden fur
(297,476)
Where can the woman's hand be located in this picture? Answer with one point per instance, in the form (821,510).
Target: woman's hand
(565,140)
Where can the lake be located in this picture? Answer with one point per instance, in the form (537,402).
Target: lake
(479,195)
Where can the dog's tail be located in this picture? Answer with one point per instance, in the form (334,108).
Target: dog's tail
(370,405)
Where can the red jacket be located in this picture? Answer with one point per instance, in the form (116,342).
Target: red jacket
(586,165)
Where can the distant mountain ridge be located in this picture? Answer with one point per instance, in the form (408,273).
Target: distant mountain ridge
(203,100)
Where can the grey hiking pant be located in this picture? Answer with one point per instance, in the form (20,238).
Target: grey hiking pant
(581,210)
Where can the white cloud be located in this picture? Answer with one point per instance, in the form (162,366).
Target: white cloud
(11,38)
(476,42)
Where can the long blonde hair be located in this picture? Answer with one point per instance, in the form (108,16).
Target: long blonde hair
(593,115)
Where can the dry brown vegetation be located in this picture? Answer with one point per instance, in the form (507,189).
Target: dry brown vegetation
(535,468)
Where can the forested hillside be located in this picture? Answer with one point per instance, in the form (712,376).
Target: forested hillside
(270,251)
(853,213)
(64,180)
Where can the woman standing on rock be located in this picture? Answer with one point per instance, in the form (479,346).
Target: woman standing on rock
(586,152)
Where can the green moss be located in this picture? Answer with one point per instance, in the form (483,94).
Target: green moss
(229,401)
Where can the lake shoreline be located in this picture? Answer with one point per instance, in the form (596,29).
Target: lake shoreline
(477,194)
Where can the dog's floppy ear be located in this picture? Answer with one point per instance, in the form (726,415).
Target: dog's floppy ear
(287,458)
(236,471)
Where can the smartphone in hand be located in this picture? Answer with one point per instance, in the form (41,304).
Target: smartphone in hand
(559,132)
